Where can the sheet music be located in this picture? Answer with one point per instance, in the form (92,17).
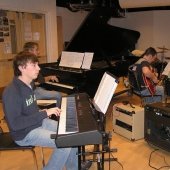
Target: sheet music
(105,92)
(87,60)
(76,60)
(71,59)
(167,70)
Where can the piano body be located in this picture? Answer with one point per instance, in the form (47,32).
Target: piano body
(111,46)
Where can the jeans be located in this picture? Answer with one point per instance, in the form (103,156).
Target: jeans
(159,91)
(61,156)
(41,93)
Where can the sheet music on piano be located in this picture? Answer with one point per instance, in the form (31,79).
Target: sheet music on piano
(76,60)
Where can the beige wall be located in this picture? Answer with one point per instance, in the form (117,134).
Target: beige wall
(143,3)
(153,26)
(47,7)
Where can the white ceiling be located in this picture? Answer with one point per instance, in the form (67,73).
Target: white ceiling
(143,3)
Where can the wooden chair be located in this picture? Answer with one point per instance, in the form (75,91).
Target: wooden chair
(8,144)
(135,88)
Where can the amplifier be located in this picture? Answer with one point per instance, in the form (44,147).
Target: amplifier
(128,121)
(157,125)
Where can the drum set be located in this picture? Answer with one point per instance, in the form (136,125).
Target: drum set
(165,80)
(162,51)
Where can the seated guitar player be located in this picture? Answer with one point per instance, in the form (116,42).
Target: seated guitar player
(146,76)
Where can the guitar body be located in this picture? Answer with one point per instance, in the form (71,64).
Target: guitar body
(149,84)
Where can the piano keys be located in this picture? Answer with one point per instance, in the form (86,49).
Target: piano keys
(88,131)
(60,85)
(66,88)
(68,122)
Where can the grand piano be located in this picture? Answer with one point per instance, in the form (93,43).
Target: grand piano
(111,46)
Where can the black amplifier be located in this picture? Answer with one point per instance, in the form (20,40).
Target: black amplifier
(157,125)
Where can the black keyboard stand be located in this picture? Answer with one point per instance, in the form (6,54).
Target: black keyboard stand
(99,153)
(106,142)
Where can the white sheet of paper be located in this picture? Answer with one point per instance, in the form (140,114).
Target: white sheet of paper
(87,60)
(166,70)
(76,59)
(104,93)
(71,59)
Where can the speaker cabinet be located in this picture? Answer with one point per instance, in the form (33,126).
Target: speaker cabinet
(157,125)
(128,121)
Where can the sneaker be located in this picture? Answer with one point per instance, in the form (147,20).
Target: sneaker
(86,165)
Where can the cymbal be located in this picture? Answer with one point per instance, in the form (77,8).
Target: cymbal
(137,52)
(163,48)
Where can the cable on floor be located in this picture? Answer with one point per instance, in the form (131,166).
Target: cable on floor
(117,162)
(150,156)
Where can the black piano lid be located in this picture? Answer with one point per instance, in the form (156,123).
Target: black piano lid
(106,41)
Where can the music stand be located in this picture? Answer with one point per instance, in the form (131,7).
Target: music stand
(163,51)
(101,101)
